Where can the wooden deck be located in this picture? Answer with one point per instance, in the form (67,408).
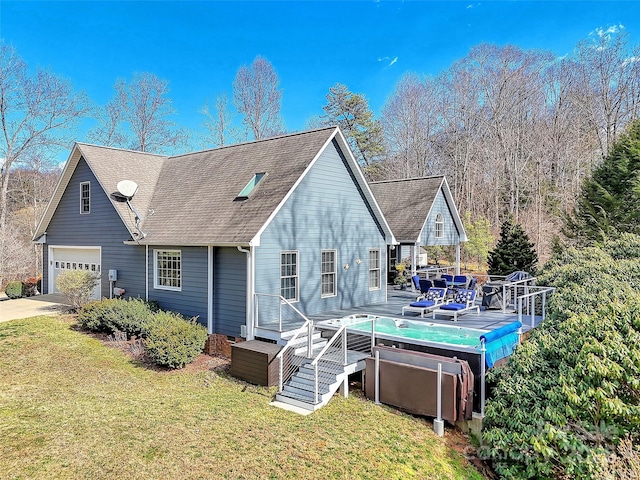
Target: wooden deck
(396,299)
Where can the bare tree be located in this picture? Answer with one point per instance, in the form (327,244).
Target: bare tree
(608,76)
(410,121)
(219,123)
(37,116)
(257,98)
(137,118)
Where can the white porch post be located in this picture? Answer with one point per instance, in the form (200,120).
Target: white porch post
(457,271)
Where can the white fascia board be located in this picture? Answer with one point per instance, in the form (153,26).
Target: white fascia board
(454,210)
(362,181)
(255,241)
(444,188)
(69,167)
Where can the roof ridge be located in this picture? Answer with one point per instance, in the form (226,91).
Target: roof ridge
(121,149)
(279,137)
(407,179)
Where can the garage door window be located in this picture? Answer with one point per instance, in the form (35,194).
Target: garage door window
(168,270)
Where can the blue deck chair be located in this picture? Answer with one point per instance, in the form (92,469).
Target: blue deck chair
(447,278)
(439,283)
(460,281)
(463,302)
(434,298)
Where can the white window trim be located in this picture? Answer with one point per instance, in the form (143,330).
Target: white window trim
(439,221)
(334,273)
(296,276)
(155,270)
(379,269)
(81,203)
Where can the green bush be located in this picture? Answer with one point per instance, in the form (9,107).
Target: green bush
(14,290)
(131,316)
(77,286)
(571,392)
(173,341)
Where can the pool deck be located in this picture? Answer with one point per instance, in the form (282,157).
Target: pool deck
(396,299)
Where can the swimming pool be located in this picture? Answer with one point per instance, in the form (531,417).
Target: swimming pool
(412,332)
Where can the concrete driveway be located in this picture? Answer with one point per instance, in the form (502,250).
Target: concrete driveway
(50,304)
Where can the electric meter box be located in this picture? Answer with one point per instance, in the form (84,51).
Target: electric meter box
(113,275)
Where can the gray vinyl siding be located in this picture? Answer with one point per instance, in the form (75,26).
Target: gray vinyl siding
(101,227)
(230,290)
(451,235)
(326,212)
(191,300)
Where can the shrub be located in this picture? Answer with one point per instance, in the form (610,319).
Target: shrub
(173,341)
(91,315)
(77,286)
(131,316)
(14,290)
(571,392)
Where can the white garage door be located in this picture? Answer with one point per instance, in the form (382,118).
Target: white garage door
(73,258)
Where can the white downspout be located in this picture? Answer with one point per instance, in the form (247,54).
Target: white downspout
(250,291)
(457,271)
(210,289)
(146,270)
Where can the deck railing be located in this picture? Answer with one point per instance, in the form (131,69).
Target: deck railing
(330,361)
(529,300)
(297,349)
(263,317)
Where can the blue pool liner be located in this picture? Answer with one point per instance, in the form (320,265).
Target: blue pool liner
(499,343)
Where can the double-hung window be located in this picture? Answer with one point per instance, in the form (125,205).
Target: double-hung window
(328,273)
(289,275)
(439,226)
(374,269)
(168,270)
(85,197)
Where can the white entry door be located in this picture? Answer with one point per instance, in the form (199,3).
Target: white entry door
(73,258)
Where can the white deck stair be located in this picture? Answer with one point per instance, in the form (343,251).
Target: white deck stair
(299,391)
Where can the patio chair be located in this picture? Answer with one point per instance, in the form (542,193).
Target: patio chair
(460,281)
(425,285)
(422,285)
(462,303)
(434,298)
(447,278)
(439,283)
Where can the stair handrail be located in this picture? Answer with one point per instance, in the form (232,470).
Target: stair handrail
(283,300)
(341,332)
(307,326)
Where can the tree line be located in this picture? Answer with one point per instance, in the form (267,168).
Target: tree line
(516,131)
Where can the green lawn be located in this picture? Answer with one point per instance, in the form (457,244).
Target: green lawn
(71,407)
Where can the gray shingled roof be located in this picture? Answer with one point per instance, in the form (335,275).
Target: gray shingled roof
(195,197)
(406,204)
(111,165)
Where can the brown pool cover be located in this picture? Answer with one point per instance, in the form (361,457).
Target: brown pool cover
(408,380)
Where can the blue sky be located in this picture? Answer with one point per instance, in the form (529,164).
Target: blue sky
(368,45)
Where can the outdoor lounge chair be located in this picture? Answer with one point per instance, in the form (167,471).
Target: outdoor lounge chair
(433,299)
(462,303)
(422,285)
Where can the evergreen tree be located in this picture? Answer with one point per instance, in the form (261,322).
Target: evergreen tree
(610,200)
(513,252)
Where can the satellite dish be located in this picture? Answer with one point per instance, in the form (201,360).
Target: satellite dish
(127,188)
